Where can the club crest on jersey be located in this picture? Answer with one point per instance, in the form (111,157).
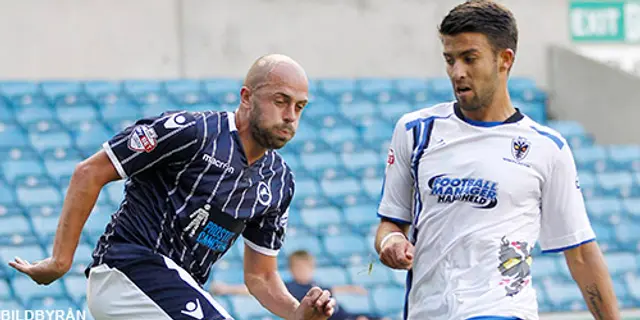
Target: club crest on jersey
(143,138)
(264,193)
(482,192)
(520,148)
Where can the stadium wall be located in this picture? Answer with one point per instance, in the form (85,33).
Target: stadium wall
(204,38)
(602,98)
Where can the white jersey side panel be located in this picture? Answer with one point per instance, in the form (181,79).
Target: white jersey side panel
(484,196)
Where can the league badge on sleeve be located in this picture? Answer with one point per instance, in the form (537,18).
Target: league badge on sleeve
(143,138)
(391,158)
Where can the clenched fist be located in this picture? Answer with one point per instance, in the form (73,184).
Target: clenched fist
(397,253)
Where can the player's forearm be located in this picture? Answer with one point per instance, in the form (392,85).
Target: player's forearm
(272,294)
(590,272)
(385,228)
(81,196)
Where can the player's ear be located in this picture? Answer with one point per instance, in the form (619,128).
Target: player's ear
(506,57)
(245,96)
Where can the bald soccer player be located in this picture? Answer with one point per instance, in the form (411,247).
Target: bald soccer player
(195,182)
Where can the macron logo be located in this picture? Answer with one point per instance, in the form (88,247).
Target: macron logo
(222,165)
(194,310)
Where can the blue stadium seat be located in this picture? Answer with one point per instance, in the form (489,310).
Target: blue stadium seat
(624,157)
(331,276)
(115,191)
(58,169)
(5,291)
(353,303)
(393,111)
(223,90)
(605,235)
(45,226)
(308,242)
(186,91)
(12,136)
(573,132)
(340,187)
(361,215)
(373,187)
(415,90)
(336,246)
(27,115)
(388,300)
(319,161)
(246,307)
(90,136)
(441,90)
(155,110)
(631,207)
(228,276)
(604,209)
(6,113)
(592,158)
(15,230)
(72,114)
(119,111)
(633,282)
(144,91)
(49,139)
(621,262)
(306,187)
(29,253)
(544,267)
(357,111)
(615,183)
(588,183)
(562,293)
(61,90)
(318,110)
(376,89)
(338,134)
(38,195)
(53,302)
(628,235)
(15,169)
(98,221)
(99,89)
(11,305)
(18,88)
(7,196)
(364,275)
(320,216)
(76,286)
(377,130)
(337,90)
(362,159)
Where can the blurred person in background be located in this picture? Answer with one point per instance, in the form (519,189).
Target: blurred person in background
(471,185)
(196,181)
(302,269)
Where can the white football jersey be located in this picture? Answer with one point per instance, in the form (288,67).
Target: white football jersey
(478,195)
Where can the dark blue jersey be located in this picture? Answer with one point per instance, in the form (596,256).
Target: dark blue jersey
(190,193)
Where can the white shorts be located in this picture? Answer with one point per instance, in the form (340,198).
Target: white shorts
(157,289)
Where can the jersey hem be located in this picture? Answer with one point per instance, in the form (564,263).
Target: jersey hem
(572,240)
(263,250)
(568,247)
(394,219)
(114,160)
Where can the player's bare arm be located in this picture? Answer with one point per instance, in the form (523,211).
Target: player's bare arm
(589,270)
(87,180)
(265,284)
(392,245)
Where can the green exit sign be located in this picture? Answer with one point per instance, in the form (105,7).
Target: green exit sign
(605,21)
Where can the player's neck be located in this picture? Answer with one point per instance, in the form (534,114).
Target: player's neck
(252,150)
(499,110)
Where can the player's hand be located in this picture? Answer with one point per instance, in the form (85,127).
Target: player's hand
(42,272)
(316,305)
(397,253)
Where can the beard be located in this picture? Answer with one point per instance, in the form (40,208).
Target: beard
(266,137)
(482,97)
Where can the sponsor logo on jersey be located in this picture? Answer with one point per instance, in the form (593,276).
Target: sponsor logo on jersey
(215,237)
(391,158)
(515,265)
(218,163)
(175,121)
(479,191)
(194,310)
(143,138)
(264,193)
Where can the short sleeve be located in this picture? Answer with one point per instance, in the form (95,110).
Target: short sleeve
(266,234)
(170,137)
(564,222)
(397,188)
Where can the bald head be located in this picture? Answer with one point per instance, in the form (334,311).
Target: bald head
(275,69)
